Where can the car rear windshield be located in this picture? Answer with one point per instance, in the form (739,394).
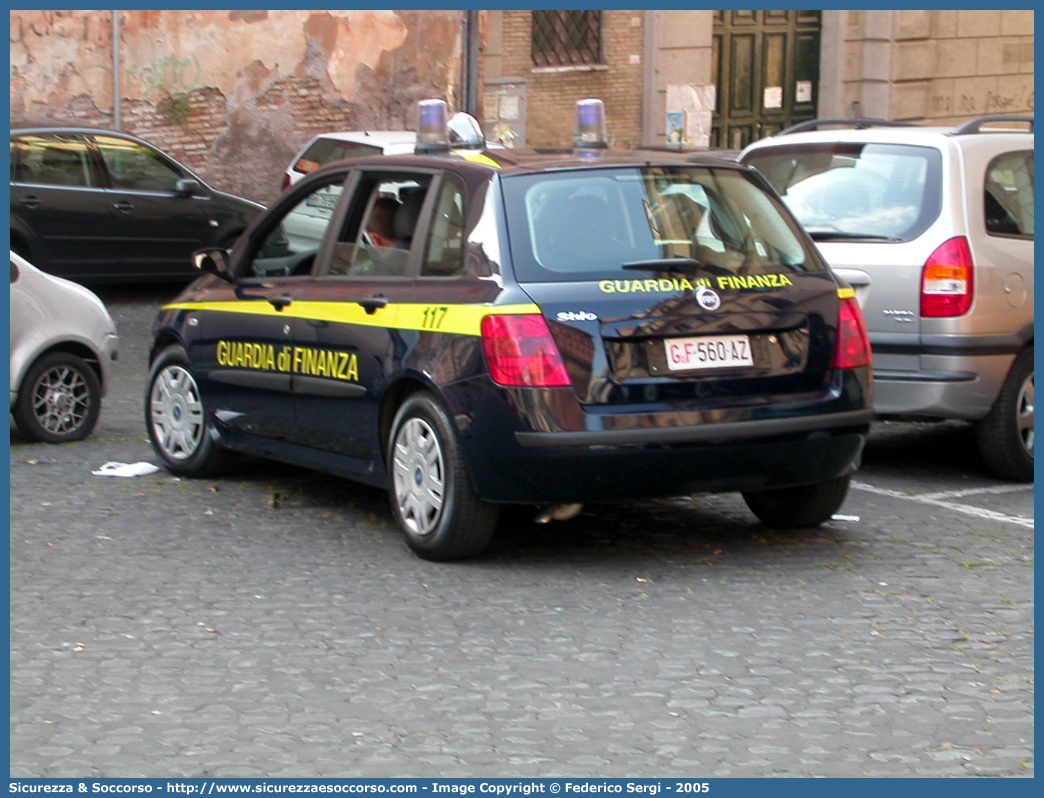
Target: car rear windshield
(323,151)
(855,190)
(597,223)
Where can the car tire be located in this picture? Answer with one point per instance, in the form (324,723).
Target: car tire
(435,506)
(795,508)
(179,425)
(1005,436)
(59,399)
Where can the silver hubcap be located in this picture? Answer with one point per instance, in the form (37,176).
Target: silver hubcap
(1024,414)
(419,475)
(177,413)
(61,400)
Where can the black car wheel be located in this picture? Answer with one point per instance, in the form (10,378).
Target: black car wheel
(1006,435)
(803,506)
(177,421)
(59,399)
(435,506)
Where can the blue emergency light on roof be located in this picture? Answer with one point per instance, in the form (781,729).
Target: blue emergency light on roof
(432,118)
(590,125)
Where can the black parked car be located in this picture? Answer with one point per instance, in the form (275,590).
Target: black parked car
(102,206)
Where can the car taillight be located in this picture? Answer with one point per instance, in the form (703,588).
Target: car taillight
(286,183)
(521,352)
(853,344)
(946,281)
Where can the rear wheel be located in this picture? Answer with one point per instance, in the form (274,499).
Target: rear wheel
(438,512)
(1006,435)
(176,419)
(59,399)
(803,506)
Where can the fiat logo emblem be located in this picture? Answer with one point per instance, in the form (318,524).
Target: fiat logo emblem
(707,299)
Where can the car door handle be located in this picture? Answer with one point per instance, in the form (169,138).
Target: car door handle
(373,303)
(32,202)
(123,206)
(281,301)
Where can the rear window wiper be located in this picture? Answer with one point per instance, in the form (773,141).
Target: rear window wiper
(837,235)
(663,264)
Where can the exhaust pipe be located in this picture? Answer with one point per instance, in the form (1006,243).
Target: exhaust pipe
(559,512)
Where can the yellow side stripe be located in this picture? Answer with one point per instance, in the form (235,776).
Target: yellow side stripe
(447,318)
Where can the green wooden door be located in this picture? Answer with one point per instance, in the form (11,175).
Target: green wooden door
(766,69)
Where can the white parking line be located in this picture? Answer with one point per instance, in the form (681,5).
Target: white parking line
(936,500)
(956,494)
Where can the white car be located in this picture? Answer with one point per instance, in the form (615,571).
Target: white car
(62,344)
(328,147)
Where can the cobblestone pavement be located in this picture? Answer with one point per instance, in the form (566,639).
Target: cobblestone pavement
(271,623)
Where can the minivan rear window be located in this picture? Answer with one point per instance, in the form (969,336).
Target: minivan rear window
(839,190)
(597,223)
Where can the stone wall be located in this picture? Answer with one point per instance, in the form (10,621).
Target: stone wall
(938,66)
(234,94)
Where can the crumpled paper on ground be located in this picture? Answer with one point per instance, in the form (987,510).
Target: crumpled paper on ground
(126,470)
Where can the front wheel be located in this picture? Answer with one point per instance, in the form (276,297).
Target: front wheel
(177,421)
(59,399)
(803,506)
(438,512)
(1005,436)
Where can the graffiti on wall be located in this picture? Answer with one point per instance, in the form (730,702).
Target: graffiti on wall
(167,76)
(981,103)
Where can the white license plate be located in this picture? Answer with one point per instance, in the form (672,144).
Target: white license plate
(325,201)
(708,352)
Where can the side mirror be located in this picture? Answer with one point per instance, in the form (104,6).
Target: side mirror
(186,187)
(213,261)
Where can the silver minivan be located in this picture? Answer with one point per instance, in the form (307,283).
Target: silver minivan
(933,228)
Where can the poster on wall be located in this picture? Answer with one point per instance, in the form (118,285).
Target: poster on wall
(690,110)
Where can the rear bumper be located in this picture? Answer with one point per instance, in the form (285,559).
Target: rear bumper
(944,387)
(709,433)
(591,474)
(611,465)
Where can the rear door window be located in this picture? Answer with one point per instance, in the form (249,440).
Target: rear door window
(1008,195)
(444,251)
(134,167)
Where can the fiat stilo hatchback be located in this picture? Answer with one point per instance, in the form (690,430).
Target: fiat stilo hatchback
(477,328)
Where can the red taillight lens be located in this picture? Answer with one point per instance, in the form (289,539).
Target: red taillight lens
(286,183)
(853,344)
(946,281)
(521,352)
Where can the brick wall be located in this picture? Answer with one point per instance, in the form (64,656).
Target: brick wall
(235,94)
(552,93)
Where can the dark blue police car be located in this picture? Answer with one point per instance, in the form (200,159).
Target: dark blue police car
(469,328)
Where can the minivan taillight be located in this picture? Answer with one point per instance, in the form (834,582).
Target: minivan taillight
(286,183)
(852,349)
(521,352)
(946,281)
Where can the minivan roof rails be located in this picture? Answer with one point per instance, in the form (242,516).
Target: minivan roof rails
(975,125)
(858,124)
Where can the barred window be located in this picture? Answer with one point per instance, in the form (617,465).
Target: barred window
(563,38)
